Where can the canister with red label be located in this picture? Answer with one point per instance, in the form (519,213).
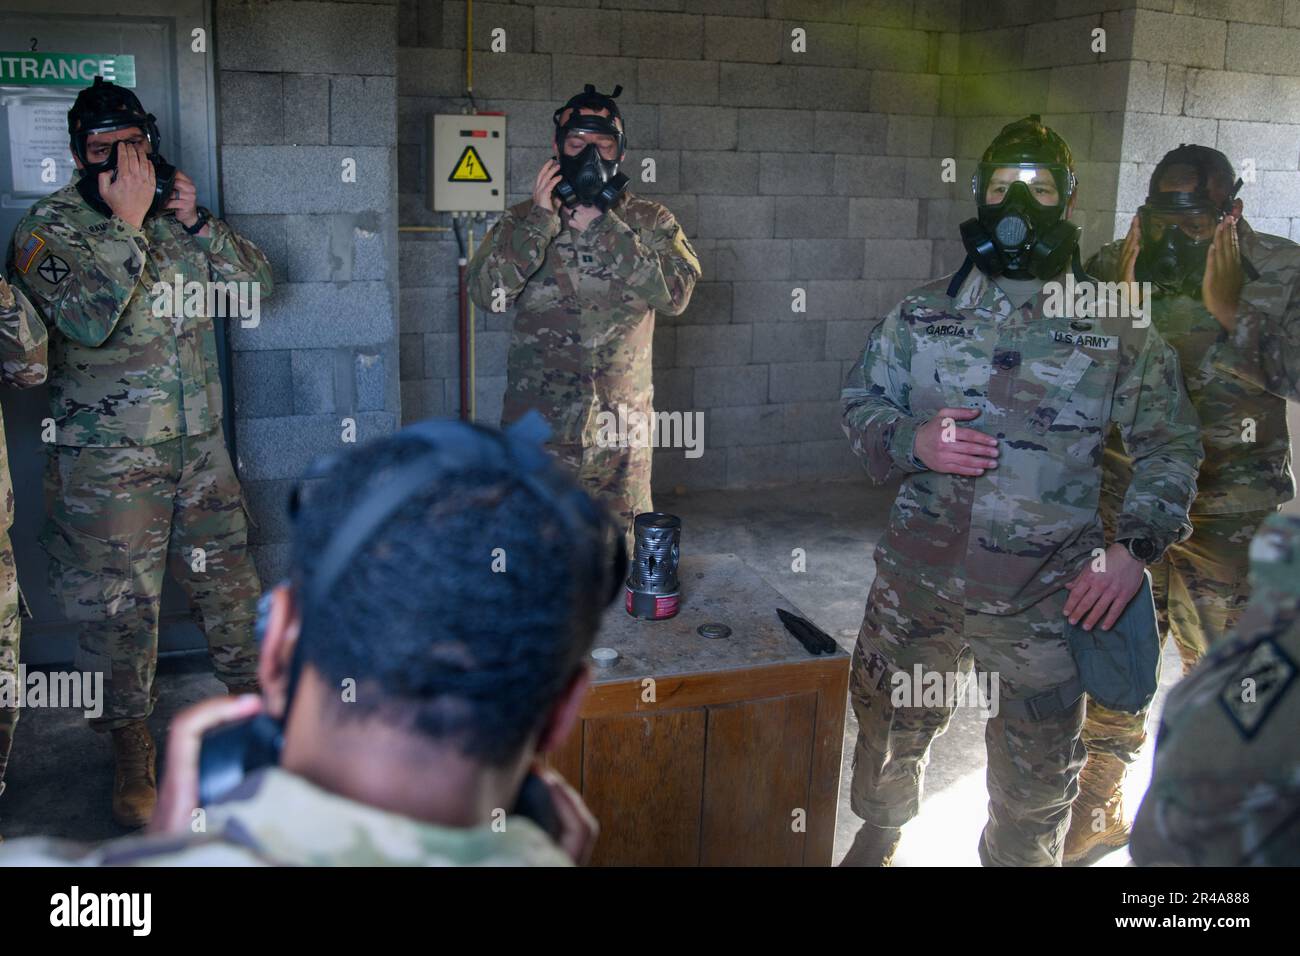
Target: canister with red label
(653,593)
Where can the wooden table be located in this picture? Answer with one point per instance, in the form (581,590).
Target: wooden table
(697,751)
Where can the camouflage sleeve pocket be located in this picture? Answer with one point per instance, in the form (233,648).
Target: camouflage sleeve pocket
(90,577)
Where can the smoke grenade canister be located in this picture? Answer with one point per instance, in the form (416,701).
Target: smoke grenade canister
(652,589)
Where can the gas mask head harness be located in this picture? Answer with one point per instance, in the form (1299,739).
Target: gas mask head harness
(1023,186)
(104,107)
(589,178)
(1178,227)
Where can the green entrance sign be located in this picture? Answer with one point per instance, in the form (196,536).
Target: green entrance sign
(65,69)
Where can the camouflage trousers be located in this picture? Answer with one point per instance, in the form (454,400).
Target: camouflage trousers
(618,478)
(9,634)
(119,518)
(1200,588)
(1033,765)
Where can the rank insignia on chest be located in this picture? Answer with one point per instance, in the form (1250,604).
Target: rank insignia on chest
(1088,340)
(1256,686)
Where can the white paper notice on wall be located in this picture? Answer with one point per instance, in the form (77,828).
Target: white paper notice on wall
(39,160)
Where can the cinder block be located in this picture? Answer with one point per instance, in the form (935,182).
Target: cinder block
(1059,42)
(910,135)
(846,340)
(842,298)
(796,174)
(828,460)
(904,93)
(901,51)
(664,35)
(806,10)
(513,76)
(674,388)
(760,465)
(306,109)
(678,81)
(828,258)
(878,218)
(869,175)
(263,384)
(837,88)
(812,421)
(412,397)
(358,313)
(672,469)
(268,234)
(314,377)
(516,20)
(1247,11)
(804,381)
(845,132)
(306,179)
(827,44)
(1170,38)
(269,503)
(736,217)
(1270,145)
(713,345)
(556,30)
(1006,94)
(283,448)
(252,108)
(441,355)
(897,259)
(281,36)
(991,51)
(776,130)
(743,39)
(729,385)
(1147,140)
(1291,16)
(1263,49)
(725,8)
(719,173)
(370,381)
(760,302)
(667,171)
(1241,96)
(697,127)
(729,426)
(1282,192)
(748,259)
(363,110)
(936,14)
(411,356)
(426,262)
(570,73)
(430,72)
(812,217)
(768,87)
(803,341)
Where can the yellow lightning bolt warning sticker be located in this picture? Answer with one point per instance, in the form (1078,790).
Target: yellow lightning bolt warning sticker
(470,168)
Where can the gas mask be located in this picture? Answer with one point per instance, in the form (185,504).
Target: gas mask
(1177,229)
(1020,230)
(105,107)
(588,178)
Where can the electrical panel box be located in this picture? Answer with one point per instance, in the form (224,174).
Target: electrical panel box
(467,163)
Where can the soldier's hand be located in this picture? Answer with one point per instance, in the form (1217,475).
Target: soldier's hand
(548,177)
(578,827)
(1098,593)
(1224,277)
(941,446)
(178,796)
(129,189)
(185,200)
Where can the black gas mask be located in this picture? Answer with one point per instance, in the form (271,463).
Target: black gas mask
(588,178)
(1021,231)
(1177,229)
(104,107)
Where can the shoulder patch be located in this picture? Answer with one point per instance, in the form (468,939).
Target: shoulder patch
(28,253)
(53,269)
(1256,686)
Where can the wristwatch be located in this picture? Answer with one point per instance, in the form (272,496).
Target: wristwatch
(199,223)
(1143,549)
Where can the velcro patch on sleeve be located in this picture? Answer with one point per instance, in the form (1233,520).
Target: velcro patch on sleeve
(29,251)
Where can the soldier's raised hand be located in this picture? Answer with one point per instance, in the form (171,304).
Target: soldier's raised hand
(129,189)
(1224,277)
(941,446)
(548,177)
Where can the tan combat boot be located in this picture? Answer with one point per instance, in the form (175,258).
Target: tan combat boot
(1092,833)
(135,785)
(873,846)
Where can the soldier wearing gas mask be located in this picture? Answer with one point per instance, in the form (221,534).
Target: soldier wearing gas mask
(993,411)
(586,264)
(138,476)
(1189,241)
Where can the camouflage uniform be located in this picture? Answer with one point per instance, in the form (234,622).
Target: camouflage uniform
(584,320)
(978,564)
(277,818)
(1226,782)
(22,364)
(138,470)
(1200,586)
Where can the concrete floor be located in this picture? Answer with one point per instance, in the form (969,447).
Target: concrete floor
(61,772)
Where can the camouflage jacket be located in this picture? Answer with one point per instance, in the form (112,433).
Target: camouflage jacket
(585,306)
(1238,475)
(22,365)
(1226,780)
(119,373)
(1048,388)
(276,818)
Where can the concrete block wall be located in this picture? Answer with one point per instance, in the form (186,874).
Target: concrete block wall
(303,88)
(788,171)
(1223,73)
